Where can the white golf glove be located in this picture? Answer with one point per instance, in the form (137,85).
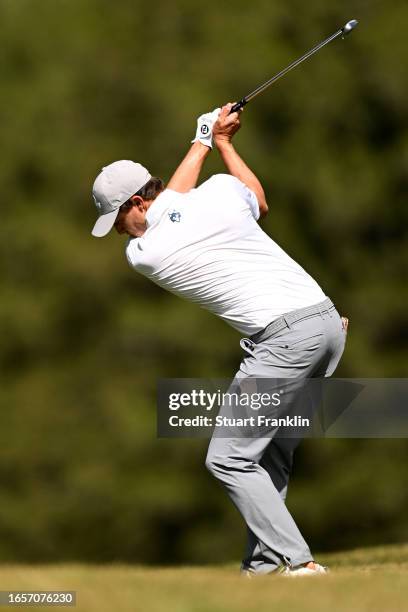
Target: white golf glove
(204,127)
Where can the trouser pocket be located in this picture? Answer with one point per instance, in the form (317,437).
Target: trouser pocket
(248,346)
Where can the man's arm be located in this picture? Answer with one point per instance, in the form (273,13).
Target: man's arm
(223,130)
(187,173)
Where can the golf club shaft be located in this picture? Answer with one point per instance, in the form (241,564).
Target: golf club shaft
(298,61)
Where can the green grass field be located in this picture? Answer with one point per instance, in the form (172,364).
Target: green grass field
(362,580)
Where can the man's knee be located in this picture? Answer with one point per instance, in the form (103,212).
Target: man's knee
(213,463)
(219,464)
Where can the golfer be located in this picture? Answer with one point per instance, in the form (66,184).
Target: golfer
(204,244)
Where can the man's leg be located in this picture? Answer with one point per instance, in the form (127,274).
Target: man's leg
(236,463)
(278,457)
(305,349)
(277,461)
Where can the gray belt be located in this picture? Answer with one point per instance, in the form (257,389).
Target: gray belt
(286,319)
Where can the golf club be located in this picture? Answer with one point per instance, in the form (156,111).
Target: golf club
(350,25)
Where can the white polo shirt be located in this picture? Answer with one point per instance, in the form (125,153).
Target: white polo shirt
(206,246)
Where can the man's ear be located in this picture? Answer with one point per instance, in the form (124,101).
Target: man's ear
(138,201)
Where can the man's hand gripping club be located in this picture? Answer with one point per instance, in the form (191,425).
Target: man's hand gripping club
(218,128)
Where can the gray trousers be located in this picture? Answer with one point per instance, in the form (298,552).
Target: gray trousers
(302,344)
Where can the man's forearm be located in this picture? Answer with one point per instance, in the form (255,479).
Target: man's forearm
(238,168)
(187,173)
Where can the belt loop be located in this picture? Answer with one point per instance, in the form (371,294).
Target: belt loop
(320,311)
(286,321)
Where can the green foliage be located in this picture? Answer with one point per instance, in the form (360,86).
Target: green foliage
(84,339)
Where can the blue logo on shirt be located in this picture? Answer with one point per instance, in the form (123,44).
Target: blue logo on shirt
(175,216)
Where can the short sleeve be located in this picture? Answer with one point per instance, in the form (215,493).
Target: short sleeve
(250,198)
(131,252)
(242,190)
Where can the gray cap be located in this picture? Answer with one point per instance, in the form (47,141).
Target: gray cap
(112,188)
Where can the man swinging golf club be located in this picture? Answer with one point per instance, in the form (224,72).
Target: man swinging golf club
(204,244)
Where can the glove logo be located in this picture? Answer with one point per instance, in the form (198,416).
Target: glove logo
(175,216)
(204,129)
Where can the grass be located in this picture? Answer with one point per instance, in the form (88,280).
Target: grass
(361,580)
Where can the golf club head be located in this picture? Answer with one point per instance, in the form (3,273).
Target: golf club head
(350,25)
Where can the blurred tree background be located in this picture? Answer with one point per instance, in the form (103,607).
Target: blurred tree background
(84,338)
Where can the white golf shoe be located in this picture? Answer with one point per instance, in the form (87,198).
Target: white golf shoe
(311,569)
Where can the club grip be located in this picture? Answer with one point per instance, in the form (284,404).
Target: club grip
(238,106)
